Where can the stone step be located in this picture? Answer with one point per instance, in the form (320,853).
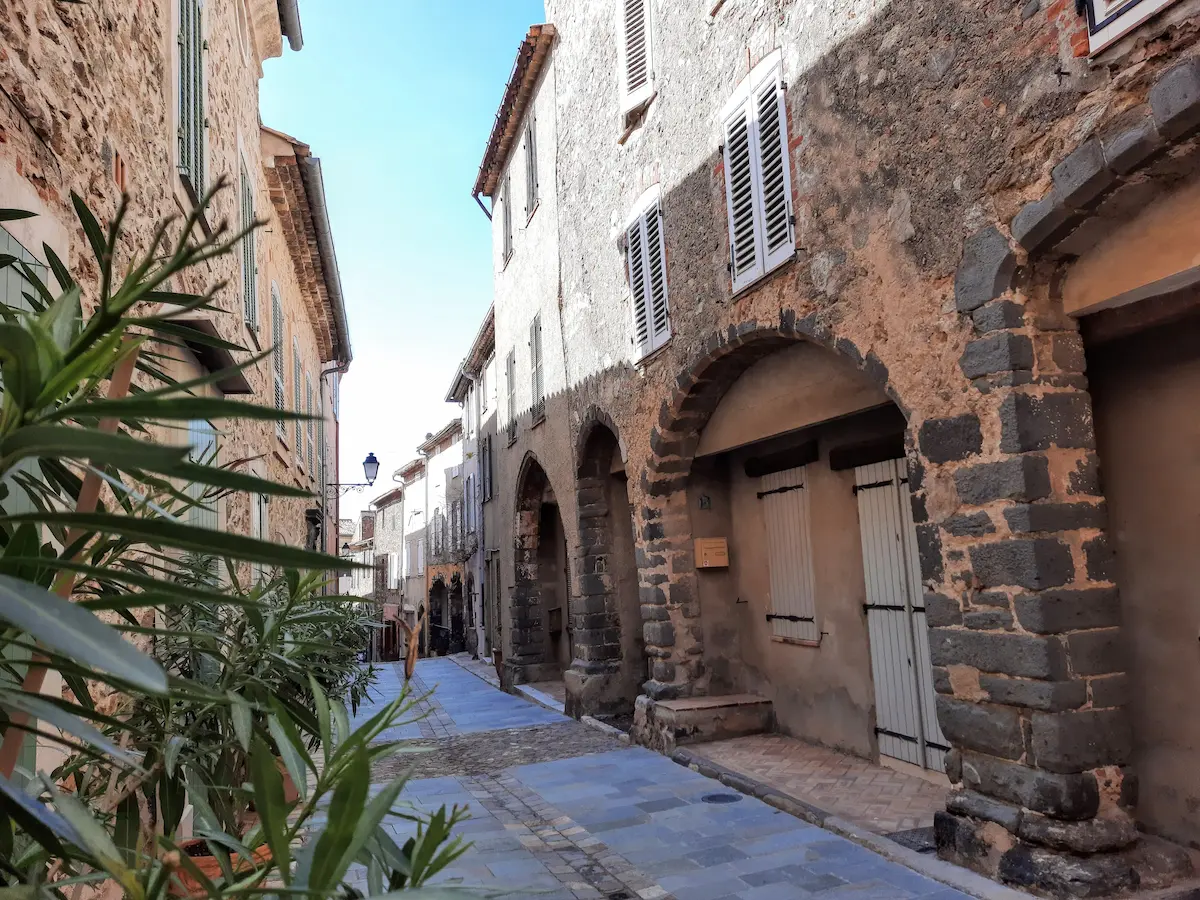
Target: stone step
(664,725)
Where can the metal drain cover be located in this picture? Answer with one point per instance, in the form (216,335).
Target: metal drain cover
(721,798)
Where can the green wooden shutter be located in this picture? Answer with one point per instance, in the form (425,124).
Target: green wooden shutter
(191,94)
(249,256)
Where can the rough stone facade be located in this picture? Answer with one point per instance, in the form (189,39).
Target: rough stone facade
(85,85)
(948,160)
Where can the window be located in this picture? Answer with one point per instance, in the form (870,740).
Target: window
(277,341)
(485,468)
(647,258)
(13,283)
(296,407)
(336,391)
(483,387)
(259,528)
(421,556)
(320,440)
(469,491)
(531,173)
(506,218)
(202,438)
(1110,20)
(435,540)
(536,382)
(758,187)
(308,425)
(456,525)
(249,255)
(191,95)
(510,370)
(633,53)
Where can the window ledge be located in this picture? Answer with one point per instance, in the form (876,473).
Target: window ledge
(763,279)
(507,260)
(252,330)
(532,212)
(654,354)
(538,415)
(635,118)
(797,642)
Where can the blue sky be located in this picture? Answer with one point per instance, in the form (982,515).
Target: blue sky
(397,98)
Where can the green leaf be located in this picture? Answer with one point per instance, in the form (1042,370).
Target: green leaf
(234,481)
(268,800)
(173,796)
(341,720)
(62,720)
(162,532)
(243,723)
(174,746)
(347,806)
(291,747)
(74,632)
(85,443)
(19,364)
(43,825)
(11,215)
(95,839)
(324,717)
(176,409)
(91,228)
(127,828)
(61,273)
(195,336)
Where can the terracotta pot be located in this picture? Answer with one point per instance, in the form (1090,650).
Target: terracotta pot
(184,885)
(290,792)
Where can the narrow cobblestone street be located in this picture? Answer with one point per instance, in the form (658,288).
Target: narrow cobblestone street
(560,809)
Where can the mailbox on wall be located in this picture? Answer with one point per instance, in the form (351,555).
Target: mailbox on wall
(712,553)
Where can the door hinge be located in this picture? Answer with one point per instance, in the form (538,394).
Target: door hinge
(780,490)
(873,484)
(787,618)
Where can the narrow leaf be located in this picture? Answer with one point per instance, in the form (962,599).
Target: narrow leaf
(268,800)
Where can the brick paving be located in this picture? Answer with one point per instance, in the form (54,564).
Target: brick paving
(874,797)
(562,811)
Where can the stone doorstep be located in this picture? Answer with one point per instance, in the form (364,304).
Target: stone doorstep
(689,704)
(923,864)
(533,695)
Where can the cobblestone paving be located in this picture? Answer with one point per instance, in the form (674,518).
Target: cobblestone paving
(488,752)
(562,811)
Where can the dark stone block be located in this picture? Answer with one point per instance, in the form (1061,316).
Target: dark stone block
(998,315)
(941,680)
(875,368)
(848,349)
(652,596)
(1041,222)
(945,440)
(991,729)
(653,531)
(988,620)
(1066,875)
(1033,563)
(1058,611)
(978,806)
(1175,100)
(1038,423)
(990,598)
(1021,478)
(969,525)
(954,765)
(1083,175)
(1048,696)
(1110,690)
(1022,655)
(916,473)
(957,840)
(1033,517)
(1080,741)
(986,270)
(1085,479)
(660,634)
(1127,150)
(919,510)
(1098,652)
(663,671)
(1101,560)
(655,614)
(929,551)
(941,611)
(1100,835)
(1072,796)
(1066,350)
(997,353)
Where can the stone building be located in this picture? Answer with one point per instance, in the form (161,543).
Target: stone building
(159,102)
(412,479)
(474,390)
(445,623)
(818,326)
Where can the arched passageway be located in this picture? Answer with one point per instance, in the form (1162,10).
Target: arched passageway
(540,635)
(609,662)
(792,489)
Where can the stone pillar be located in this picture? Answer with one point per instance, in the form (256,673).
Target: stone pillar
(591,681)
(526,654)
(1025,625)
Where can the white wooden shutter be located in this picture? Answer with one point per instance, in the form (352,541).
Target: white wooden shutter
(249,255)
(296,397)
(277,341)
(531,175)
(774,172)
(741,190)
(506,218)
(648,281)
(308,425)
(634,51)
(535,361)
(784,498)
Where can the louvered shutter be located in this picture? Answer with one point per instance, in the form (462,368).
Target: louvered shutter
(774,173)
(249,256)
(637,72)
(320,437)
(308,425)
(531,177)
(506,217)
(648,281)
(296,398)
(191,94)
(745,253)
(784,500)
(536,383)
(277,341)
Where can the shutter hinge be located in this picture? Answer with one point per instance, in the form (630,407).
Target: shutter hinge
(204,44)
(782,85)
(788,618)
(780,490)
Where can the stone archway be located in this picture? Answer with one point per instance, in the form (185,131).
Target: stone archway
(609,664)
(540,633)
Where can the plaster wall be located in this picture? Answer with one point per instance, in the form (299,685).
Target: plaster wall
(389,538)
(1145,391)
